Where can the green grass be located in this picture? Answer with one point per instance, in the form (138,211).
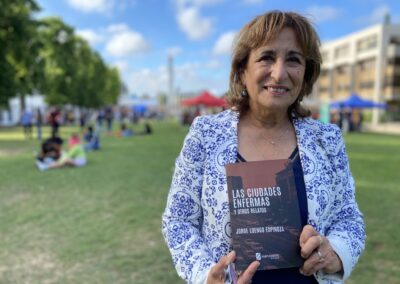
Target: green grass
(97,224)
(101,223)
(375,161)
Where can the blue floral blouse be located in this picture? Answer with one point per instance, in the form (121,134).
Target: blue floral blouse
(196,222)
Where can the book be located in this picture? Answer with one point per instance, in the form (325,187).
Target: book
(265,214)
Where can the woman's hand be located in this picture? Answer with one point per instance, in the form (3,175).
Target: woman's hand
(318,253)
(217,272)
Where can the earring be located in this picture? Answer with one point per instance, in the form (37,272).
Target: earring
(244,93)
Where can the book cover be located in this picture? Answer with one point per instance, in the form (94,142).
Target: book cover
(265,214)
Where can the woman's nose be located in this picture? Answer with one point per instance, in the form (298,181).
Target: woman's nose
(279,70)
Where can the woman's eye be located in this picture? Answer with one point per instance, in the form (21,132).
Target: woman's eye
(295,60)
(267,58)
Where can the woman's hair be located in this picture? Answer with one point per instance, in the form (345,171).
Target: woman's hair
(259,32)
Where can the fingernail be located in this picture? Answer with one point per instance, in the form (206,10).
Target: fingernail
(301,271)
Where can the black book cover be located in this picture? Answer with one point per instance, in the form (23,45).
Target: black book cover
(265,214)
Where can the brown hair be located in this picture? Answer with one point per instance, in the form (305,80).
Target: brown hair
(259,32)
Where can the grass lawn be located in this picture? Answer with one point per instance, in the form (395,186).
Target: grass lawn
(375,162)
(101,223)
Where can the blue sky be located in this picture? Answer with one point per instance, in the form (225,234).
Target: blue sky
(137,35)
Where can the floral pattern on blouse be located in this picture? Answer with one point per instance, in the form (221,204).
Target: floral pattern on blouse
(196,222)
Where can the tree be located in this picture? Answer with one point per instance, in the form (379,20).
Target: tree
(74,73)
(56,51)
(47,56)
(18,49)
(113,87)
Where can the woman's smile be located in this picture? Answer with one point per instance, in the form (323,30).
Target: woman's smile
(274,74)
(276,89)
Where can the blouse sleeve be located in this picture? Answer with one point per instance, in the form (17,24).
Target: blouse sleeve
(183,217)
(346,230)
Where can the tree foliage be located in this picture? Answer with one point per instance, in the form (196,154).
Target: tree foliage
(48,57)
(18,48)
(74,73)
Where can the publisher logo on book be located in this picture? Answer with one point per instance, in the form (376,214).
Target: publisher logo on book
(258,256)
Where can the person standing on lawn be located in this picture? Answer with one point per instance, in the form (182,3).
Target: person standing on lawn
(276,60)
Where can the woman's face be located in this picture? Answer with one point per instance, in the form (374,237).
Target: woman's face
(274,73)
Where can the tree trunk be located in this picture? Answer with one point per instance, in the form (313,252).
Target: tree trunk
(22,102)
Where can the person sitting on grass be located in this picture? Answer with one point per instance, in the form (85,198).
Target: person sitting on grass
(50,152)
(75,157)
(147,129)
(92,141)
(125,131)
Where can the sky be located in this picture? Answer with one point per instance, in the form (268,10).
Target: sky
(138,36)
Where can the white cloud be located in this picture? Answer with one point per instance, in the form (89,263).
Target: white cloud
(120,40)
(323,13)
(91,5)
(188,69)
(148,81)
(117,28)
(196,3)
(127,43)
(253,2)
(194,25)
(101,6)
(224,43)
(188,78)
(174,51)
(206,2)
(123,5)
(195,76)
(213,64)
(121,66)
(91,36)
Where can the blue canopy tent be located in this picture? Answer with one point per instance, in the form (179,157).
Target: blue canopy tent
(139,109)
(354,101)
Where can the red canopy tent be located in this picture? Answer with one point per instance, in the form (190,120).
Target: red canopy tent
(205,99)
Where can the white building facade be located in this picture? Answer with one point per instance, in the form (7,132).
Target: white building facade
(12,116)
(367,63)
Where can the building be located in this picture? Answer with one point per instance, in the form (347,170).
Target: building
(366,62)
(12,115)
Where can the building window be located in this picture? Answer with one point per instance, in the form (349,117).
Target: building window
(342,87)
(342,51)
(323,89)
(343,69)
(366,65)
(393,61)
(366,85)
(395,40)
(392,81)
(367,43)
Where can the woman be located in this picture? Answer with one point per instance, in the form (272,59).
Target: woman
(74,157)
(276,61)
